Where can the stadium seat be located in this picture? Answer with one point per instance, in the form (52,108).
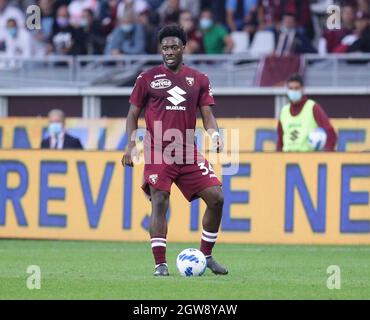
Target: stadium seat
(262,44)
(241,41)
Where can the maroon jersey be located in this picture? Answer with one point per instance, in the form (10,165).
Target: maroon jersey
(171,100)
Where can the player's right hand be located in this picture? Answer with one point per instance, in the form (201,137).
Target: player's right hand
(127,157)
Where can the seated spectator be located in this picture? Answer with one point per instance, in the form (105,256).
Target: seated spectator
(76,7)
(154,4)
(362,44)
(289,40)
(93,33)
(169,12)
(127,38)
(47,17)
(65,39)
(332,38)
(47,20)
(132,7)
(190,5)
(150,21)
(239,13)
(268,14)
(216,39)
(107,15)
(17,43)
(194,36)
(58,137)
(302,12)
(6,12)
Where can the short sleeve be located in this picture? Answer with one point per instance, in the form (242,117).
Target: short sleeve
(139,92)
(206,94)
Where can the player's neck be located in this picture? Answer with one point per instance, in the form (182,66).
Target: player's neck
(177,69)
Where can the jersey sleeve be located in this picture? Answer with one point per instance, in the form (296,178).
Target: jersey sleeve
(206,94)
(139,93)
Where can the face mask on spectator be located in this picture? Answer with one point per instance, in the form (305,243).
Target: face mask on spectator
(127,27)
(294,95)
(12,32)
(62,22)
(205,23)
(55,128)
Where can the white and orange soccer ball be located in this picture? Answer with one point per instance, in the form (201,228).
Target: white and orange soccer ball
(191,263)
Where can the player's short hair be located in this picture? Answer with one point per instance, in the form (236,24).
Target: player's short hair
(172,31)
(296,77)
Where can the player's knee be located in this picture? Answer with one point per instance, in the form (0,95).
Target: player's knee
(217,200)
(160,198)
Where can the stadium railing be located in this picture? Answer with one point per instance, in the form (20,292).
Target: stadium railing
(237,70)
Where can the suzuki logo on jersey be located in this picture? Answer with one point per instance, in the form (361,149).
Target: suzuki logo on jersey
(176,95)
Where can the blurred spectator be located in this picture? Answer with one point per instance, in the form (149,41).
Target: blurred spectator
(239,13)
(18,44)
(269,14)
(132,7)
(154,4)
(93,34)
(195,39)
(42,35)
(363,6)
(65,39)
(150,21)
(76,7)
(217,8)
(216,40)
(169,11)
(302,12)
(362,44)
(332,38)
(6,12)
(289,40)
(190,5)
(127,38)
(58,138)
(47,17)
(107,15)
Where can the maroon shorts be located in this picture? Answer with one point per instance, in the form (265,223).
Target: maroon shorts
(189,178)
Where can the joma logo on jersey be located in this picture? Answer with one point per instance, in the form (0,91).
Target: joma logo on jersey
(161,84)
(176,95)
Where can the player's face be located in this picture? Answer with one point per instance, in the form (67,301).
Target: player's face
(172,51)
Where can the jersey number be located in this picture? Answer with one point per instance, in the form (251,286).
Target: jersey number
(205,170)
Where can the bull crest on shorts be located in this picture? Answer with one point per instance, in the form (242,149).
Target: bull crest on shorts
(153,178)
(190,81)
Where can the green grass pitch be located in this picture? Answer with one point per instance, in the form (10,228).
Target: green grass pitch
(114,270)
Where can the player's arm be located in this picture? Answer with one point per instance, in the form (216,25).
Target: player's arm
(210,125)
(131,126)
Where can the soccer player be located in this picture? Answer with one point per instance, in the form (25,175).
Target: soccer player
(171,95)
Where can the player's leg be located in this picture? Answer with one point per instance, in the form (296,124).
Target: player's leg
(158,229)
(214,199)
